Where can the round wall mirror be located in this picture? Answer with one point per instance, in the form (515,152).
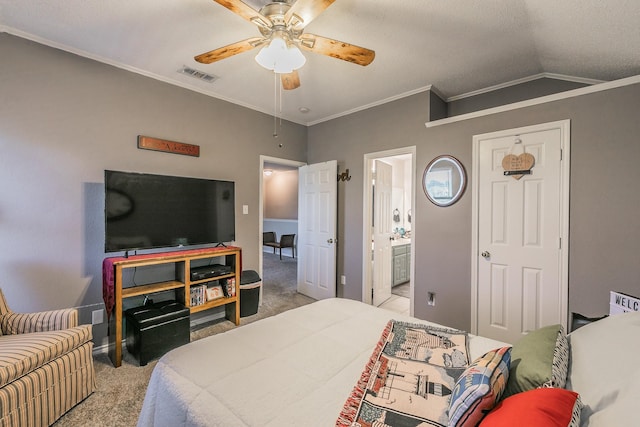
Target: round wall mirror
(444,180)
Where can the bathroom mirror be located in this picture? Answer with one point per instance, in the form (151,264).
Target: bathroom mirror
(444,180)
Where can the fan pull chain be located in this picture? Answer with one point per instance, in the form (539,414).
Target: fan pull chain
(275,105)
(280,112)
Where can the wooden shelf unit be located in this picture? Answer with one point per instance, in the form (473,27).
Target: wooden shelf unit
(182,284)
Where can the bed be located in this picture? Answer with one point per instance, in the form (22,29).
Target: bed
(298,368)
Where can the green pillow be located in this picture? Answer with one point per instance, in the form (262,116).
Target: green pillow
(539,359)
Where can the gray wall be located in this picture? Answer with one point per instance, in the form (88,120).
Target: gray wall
(604,201)
(511,94)
(346,139)
(63,120)
(281,195)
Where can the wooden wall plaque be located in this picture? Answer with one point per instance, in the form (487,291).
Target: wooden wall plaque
(155,144)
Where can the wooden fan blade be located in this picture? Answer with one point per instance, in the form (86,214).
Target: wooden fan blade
(290,81)
(245,11)
(229,50)
(306,11)
(337,49)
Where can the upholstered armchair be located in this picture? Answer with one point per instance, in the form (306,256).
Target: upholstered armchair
(46,365)
(24,323)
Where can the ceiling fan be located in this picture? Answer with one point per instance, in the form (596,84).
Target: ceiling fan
(282,24)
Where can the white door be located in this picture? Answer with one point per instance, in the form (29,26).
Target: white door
(317,217)
(521,225)
(382,232)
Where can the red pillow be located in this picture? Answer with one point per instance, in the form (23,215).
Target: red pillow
(540,407)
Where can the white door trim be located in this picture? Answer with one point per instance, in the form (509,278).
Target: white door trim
(367,212)
(565,130)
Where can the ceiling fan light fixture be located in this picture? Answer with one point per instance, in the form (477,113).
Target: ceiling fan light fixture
(280,57)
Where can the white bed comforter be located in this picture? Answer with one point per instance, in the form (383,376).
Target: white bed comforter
(293,369)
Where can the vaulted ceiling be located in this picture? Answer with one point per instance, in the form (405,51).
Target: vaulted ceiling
(458,46)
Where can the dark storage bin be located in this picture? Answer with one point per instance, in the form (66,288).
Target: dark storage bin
(250,283)
(153,330)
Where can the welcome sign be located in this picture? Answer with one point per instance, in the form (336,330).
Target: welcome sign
(623,303)
(155,144)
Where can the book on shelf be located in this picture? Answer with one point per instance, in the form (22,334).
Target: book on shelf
(230,287)
(198,296)
(225,290)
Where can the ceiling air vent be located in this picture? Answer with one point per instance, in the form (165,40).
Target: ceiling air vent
(209,78)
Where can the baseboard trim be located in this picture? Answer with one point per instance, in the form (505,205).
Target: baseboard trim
(101,349)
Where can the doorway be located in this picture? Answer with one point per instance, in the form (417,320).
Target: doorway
(278,213)
(387,221)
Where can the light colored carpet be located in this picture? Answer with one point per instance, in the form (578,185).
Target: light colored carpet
(118,399)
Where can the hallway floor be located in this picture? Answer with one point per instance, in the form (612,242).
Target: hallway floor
(397,304)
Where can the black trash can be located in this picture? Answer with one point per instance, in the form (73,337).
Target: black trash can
(154,329)
(250,283)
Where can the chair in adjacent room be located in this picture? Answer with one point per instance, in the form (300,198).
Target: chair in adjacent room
(269,239)
(286,241)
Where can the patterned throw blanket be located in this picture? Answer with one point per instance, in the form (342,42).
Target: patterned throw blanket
(408,379)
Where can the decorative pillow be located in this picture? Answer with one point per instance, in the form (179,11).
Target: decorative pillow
(539,359)
(479,388)
(541,407)
(578,320)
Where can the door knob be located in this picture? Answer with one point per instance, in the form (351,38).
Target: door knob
(329,241)
(485,254)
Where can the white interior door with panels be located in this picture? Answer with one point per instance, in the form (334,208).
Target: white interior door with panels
(520,231)
(317,218)
(382,233)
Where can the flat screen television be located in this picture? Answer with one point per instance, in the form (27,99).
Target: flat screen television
(144,211)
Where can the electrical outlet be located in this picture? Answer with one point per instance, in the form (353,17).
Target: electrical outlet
(97,317)
(245,209)
(431,299)
(343,280)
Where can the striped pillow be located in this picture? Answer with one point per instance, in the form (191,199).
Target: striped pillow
(479,388)
(560,364)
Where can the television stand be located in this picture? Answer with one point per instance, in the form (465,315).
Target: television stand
(181,285)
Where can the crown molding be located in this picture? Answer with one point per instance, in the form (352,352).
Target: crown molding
(116,64)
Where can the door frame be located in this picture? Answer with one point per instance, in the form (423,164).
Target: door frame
(278,161)
(565,145)
(367,212)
